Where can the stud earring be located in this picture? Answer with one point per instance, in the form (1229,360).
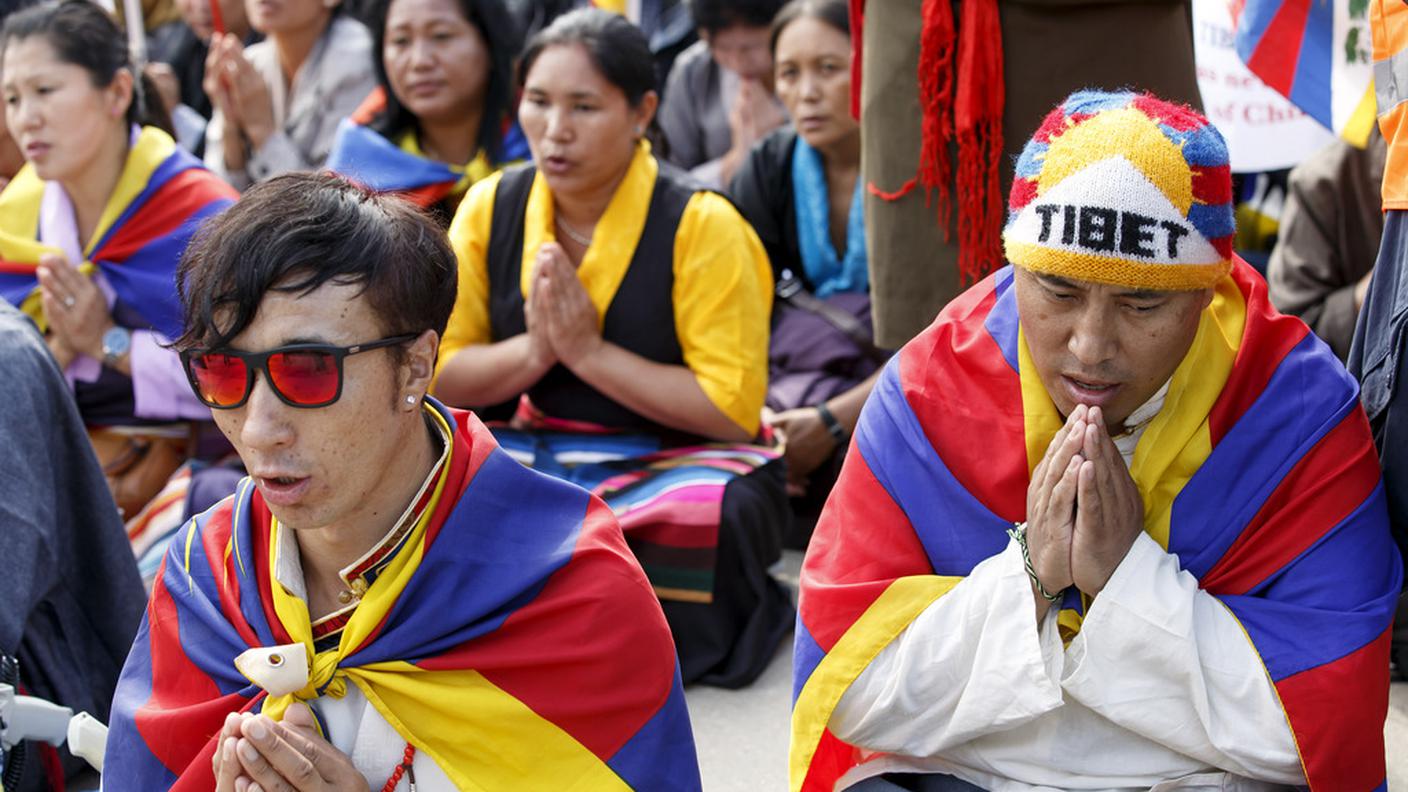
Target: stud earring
(410,399)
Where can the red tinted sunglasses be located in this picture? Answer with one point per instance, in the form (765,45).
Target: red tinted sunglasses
(301,375)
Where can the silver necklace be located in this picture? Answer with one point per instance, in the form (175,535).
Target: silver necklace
(585,240)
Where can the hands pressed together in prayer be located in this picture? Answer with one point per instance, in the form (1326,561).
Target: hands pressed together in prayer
(76,309)
(755,114)
(1084,510)
(562,321)
(241,96)
(256,754)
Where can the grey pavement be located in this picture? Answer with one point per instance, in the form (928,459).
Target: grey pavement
(742,734)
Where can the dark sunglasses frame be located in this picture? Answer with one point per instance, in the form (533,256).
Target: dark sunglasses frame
(259,362)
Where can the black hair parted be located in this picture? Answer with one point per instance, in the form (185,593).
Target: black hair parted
(619,49)
(713,16)
(85,35)
(835,13)
(299,231)
(496,26)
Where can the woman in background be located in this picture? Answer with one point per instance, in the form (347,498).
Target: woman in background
(90,232)
(624,313)
(440,119)
(801,190)
(278,103)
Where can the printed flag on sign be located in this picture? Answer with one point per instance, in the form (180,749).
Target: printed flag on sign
(1316,53)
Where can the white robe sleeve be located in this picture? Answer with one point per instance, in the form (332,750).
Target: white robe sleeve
(1161,657)
(970,664)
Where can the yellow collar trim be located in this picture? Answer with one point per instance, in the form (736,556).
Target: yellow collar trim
(614,241)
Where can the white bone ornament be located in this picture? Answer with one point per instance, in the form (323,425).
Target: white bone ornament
(279,670)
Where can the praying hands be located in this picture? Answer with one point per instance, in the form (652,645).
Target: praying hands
(560,314)
(241,96)
(256,754)
(1083,509)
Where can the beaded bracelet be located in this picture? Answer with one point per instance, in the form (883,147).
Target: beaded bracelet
(1019,533)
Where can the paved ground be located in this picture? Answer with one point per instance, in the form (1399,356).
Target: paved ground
(742,734)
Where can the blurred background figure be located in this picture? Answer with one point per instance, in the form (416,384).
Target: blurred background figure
(71,591)
(1328,239)
(667,24)
(619,315)
(719,99)
(801,190)
(441,118)
(180,75)
(278,104)
(91,229)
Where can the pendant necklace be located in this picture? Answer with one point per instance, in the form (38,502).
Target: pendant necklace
(585,240)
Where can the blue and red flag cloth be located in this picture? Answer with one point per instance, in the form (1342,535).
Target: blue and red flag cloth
(1317,54)
(512,638)
(1263,482)
(668,499)
(367,157)
(161,198)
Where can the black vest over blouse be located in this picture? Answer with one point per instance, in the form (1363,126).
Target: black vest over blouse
(641,317)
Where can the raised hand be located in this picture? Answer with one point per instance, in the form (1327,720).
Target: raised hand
(1109,509)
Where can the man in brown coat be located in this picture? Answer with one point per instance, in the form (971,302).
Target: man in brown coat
(1050,48)
(1329,238)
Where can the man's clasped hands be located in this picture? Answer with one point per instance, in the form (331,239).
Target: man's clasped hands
(1084,510)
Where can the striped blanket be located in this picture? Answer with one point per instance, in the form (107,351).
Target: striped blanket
(668,500)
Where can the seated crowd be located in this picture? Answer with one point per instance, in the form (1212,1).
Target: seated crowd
(458,382)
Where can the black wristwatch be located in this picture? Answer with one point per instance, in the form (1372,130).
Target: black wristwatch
(838,432)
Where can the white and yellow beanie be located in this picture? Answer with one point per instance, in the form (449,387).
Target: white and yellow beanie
(1123,189)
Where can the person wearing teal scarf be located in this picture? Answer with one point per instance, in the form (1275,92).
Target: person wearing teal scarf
(801,190)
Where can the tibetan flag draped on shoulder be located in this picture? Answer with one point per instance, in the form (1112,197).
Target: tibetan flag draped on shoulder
(367,157)
(512,639)
(161,198)
(1316,53)
(1258,474)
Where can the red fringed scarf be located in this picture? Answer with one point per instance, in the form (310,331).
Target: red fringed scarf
(964,104)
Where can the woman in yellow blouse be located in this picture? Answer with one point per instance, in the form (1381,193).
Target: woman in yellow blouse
(619,314)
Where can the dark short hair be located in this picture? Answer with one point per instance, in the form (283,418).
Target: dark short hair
(713,16)
(618,49)
(500,35)
(835,13)
(86,36)
(298,231)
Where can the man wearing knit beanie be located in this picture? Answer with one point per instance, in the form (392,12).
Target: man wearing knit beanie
(1111,522)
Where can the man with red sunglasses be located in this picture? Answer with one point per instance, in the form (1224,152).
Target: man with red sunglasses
(389,601)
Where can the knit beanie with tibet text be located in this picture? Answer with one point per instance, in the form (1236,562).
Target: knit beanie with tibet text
(1123,189)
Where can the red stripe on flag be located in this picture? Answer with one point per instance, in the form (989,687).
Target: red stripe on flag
(1298,512)
(942,369)
(577,681)
(163,212)
(1269,337)
(182,694)
(841,576)
(215,538)
(16,268)
(1338,712)
(831,761)
(1278,51)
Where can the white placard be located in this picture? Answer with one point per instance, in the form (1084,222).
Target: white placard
(1264,131)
